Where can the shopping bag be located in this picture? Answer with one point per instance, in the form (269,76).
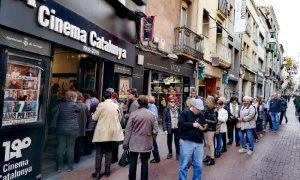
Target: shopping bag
(124,160)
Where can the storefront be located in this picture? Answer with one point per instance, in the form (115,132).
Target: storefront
(211,85)
(232,88)
(44,44)
(163,76)
(249,84)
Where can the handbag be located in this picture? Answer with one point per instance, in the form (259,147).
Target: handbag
(124,160)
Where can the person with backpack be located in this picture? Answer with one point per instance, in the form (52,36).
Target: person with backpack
(246,117)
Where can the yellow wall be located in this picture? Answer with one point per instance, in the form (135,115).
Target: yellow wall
(66,62)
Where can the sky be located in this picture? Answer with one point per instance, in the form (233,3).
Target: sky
(286,12)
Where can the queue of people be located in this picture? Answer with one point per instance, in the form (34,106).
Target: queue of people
(84,123)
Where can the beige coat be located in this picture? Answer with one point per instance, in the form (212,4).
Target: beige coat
(108,126)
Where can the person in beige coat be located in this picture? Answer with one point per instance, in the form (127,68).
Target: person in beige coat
(138,138)
(108,131)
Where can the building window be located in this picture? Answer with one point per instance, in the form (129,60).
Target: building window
(184,16)
(205,24)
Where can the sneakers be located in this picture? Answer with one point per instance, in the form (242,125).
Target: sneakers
(169,156)
(249,152)
(210,162)
(206,159)
(155,161)
(256,140)
(243,150)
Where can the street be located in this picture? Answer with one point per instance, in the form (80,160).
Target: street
(276,156)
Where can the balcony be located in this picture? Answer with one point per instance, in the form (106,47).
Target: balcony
(247,62)
(188,44)
(223,53)
(254,65)
(248,29)
(222,9)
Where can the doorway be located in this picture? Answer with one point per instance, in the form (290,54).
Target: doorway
(70,70)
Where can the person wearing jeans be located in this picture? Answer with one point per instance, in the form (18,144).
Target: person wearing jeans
(153,109)
(191,127)
(246,117)
(222,118)
(275,104)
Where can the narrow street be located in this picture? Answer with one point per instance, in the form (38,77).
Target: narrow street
(276,156)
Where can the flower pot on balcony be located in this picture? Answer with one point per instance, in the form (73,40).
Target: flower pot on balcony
(187,33)
(197,39)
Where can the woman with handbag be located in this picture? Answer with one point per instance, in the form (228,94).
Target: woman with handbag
(210,115)
(138,138)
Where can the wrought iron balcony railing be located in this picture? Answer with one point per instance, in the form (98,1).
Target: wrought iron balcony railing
(188,43)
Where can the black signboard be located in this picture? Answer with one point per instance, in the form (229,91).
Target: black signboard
(20,153)
(66,28)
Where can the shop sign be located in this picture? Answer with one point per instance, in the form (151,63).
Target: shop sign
(249,76)
(215,61)
(225,78)
(122,69)
(19,154)
(24,42)
(54,22)
(201,73)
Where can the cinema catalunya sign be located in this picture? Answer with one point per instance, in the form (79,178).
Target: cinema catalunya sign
(47,19)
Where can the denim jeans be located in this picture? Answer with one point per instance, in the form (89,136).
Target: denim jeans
(249,133)
(275,121)
(219,143)
(190,150)
(66,143)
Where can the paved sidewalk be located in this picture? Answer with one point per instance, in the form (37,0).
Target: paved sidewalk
(276,156)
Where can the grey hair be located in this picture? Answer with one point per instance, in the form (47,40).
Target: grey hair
(247,98)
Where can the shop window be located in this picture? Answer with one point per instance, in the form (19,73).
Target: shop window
(163,86)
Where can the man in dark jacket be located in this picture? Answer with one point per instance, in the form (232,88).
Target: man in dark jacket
(283,107)
(274,111)
(191,126)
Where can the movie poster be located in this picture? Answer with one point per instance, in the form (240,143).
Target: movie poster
(123,87)
(21,94)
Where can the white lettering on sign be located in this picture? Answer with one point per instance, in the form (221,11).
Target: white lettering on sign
(13,150)
(46,18)
(31,3)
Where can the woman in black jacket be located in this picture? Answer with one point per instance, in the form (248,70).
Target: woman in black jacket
(170,126)
(211,119)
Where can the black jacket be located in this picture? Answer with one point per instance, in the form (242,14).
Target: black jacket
(186,128)
(211,118)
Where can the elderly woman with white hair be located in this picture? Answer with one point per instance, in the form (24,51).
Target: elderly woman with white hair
(246,117)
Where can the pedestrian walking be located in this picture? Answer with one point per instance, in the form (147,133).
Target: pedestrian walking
(170,126)
(274,110)
(67,129)
(153,109)
(261,116)
(138,138)
(107,132)
(191,131)
(246,117)
(211,119)
(283,107)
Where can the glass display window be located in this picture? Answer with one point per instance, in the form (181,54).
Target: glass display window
(164,86)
